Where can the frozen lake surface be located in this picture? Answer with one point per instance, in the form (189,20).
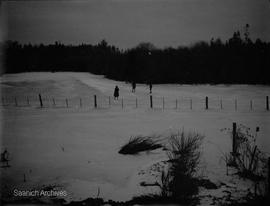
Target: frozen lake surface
(76,148)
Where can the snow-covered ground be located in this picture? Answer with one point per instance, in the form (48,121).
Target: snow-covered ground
(76,149)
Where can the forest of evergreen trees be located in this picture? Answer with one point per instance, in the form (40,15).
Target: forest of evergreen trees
(238,60)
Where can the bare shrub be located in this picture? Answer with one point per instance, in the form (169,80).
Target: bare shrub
(249,160)
(179,183)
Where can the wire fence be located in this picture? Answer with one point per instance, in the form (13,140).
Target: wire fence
(152,102)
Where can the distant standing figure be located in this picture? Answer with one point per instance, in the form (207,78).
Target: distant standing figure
(116,92)
(133,87)
(150,87)
(4,157)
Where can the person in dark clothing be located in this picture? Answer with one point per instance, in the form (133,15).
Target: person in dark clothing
(4,157)
(133,87)
(150,87)
(116,92)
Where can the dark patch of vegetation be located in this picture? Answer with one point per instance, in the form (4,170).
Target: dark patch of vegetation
(238,60)
(139,144)
(31,201)
(184,155)
(151,199)
(251,163)
(140,200)
(206,183)
(88,202)
(251,201)
(179,182)
(249,160)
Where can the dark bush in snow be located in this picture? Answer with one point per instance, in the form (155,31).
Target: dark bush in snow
(140,143)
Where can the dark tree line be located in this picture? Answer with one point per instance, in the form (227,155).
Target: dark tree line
(238,60)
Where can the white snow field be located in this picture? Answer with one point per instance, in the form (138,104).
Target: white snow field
(76,148)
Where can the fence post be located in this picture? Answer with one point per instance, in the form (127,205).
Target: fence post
(81,102)
(206,103)
(40,100)
(163,103)
(251,105)
(267,103)
(136,102)
(235,104)
(176,104)
(191,104)
(95,101)
(234,147)
(151,102)
(221,106)
(67,102)
(27,99)
(53,101)
(122,102)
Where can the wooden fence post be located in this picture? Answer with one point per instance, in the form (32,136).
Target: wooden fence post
(67,102)
(191,104)
(136,102)
(234,143)
(81,102)
(151,102)
(235,104)
(206,103)
(251,105)
(28,102)
(53,100)
(95,101)
(40,100)
(163,103)
(221,106)
(267,103)
(176,104)
(122,102)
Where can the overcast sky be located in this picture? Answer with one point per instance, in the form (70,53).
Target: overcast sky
(125,23)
